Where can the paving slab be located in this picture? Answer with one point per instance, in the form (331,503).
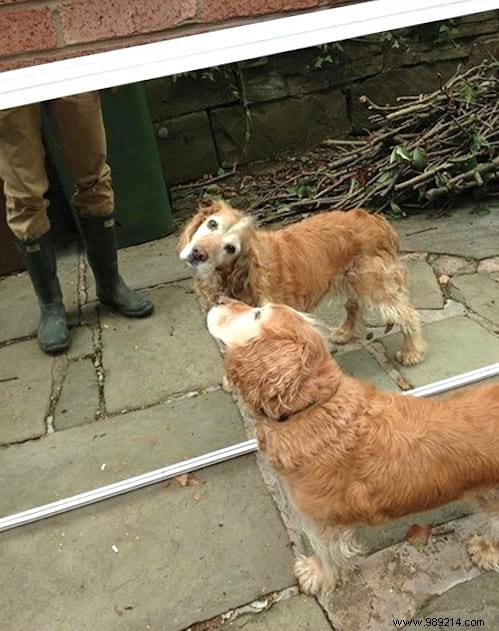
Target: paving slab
(454,346)
(362,365)
(423,286)
(451,309)
(476,601)
(147,360)
(81,342)
(181,555)
(489,265)
(71,461)
(298,613)
(26,395)
(17,296)
(396,582)
(480,292)
(462,232)
(452,265)
(147,265)
(79,400)
(331,310)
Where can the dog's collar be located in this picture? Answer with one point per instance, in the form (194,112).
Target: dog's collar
(287,415)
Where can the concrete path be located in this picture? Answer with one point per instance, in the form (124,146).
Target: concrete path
(131,396)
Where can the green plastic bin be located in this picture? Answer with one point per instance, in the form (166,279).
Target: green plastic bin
(142,199)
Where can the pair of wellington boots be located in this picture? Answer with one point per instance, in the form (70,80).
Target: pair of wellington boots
(99,236)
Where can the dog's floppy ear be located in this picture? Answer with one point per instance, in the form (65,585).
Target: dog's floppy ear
(214,207)
(275,376)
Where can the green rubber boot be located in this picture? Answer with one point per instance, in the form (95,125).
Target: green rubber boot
(39,256)
(99,236)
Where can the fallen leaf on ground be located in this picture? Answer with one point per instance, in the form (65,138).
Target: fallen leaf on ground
(418,535)
(403,384)
(444,279)
(187,479)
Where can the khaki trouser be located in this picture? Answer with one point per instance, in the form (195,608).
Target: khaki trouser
(80,132)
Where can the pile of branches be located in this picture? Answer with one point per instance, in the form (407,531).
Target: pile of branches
(425,149)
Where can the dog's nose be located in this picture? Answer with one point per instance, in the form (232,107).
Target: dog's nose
(199,255)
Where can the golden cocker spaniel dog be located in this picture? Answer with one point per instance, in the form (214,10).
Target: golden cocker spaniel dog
(347,453)
(352,252)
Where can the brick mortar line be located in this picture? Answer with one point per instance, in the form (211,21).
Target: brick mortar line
(57,24)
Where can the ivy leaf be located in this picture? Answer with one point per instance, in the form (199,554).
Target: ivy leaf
(395,211)
(440,180)
(419,158)
(400,154)
(483,211)
(300,190)
(470,163)
(384,177)
(477,142)
(468,94)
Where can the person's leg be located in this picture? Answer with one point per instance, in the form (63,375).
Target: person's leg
(22,170)
(81,134)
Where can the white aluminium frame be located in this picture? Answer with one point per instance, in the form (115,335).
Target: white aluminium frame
(194,52)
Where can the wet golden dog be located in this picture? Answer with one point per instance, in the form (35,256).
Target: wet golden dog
(347,453)
(353,252)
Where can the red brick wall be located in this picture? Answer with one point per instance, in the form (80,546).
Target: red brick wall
(33,31)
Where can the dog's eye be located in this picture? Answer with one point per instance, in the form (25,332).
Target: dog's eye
(230,249)
(257,314)
(212,224)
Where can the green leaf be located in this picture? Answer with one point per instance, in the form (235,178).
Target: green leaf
(300,190)
(400,154)
(468,94)
(386,176)
(395,211)
(440,180)
(477,142)
(469,164)
(419,158)
(483,211)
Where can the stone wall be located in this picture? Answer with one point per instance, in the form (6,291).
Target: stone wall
(38,31)
(257,109)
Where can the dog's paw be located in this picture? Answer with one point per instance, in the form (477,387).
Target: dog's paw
(226,385)
(484,553)
(310,574)
(409,359)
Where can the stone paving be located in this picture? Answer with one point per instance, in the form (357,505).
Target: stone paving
(131,396)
